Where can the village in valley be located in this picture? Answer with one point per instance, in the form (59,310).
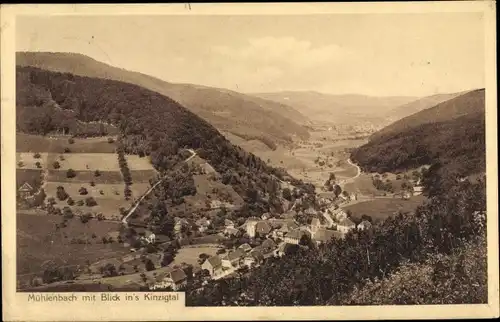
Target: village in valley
(211,244)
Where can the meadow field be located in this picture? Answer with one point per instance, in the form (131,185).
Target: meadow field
(95,166)
(40,243)
(381,208)
(37,143)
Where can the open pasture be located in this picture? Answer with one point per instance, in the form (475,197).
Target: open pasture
(363,185)
(190,255)
(135,162)
(105,177)
(27,160)
(38,143)
(38,242)
(108,190)
(381,208)
(88,161)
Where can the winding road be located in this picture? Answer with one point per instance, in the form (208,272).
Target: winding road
(131,211)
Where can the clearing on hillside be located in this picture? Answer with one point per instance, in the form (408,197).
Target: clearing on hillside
(28,160)
(106,177)
(87,161)
(37,143)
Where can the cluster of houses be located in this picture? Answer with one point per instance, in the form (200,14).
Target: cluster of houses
(279,236)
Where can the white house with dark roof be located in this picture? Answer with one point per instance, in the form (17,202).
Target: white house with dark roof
(25,191)
(213,265)
(177,279)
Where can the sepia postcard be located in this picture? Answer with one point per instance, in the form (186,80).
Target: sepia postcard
(188,161)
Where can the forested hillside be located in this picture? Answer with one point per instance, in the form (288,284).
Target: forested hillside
(243,115)
(454,143)
(465,104)
(419,105)
(149,123)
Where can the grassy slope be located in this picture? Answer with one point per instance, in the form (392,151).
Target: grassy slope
(39,242)
(227,110)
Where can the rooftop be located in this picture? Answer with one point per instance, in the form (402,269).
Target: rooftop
(178,275)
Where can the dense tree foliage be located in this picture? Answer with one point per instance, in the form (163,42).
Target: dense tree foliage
(459,145)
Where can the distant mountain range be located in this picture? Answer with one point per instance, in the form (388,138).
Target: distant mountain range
(346,109)
(244,115)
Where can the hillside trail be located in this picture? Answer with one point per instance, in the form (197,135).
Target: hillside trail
(131,211)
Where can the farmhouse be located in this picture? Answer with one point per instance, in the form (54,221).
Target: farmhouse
(345,225)
(177,279)
(233,259)
(213,265)
(25,191)
(262,228)
(294,236)
(339,214)
(284,229)
(325,235)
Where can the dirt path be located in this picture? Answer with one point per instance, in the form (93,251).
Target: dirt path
(131,211)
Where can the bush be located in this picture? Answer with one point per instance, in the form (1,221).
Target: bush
(101,192)
(111,140)
(83,191)
(97,173)
(61,193)
(90,202)
(56,165)
(37,155)
(79,203)
(92,183)
(149,265)
(70,201)
(71,140)
(20,164)
(61,157)
(85,218)
(70,173)
(38,165)
(67,213)
(100,217)
(67,150)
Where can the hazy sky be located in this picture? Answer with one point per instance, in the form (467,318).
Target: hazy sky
(374,54)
